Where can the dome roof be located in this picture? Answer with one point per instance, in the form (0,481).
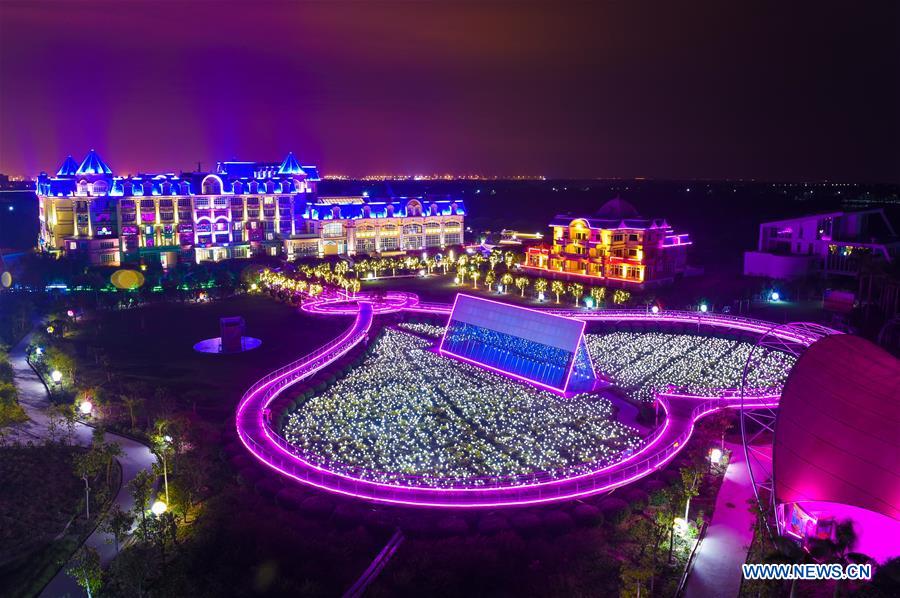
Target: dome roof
(618,209)
(836,436)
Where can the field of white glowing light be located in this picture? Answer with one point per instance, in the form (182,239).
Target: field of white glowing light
(644,363)
(408,415)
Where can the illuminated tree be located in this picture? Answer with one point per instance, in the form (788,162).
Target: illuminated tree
(576,290)
(521,283)
(690,485)
(509,258)
(598,294)
(540,285)
(495,258)
(620,297)
(506,280)
(558,288)
(461,271)
(489,279)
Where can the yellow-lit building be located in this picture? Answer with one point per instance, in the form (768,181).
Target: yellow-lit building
(616,244)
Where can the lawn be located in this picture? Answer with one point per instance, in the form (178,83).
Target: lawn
(137,351)
(41,514)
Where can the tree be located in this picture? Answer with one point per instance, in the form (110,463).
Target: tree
(521,283)
(598,294)
(131,403)
(506,280)
(85,569)
(509,258)
(577,290)
(690,486)
(495,258)
(558,288)
(489,279)
(141,488)
(474,273)
(620,297)
(118,524)
(540,285)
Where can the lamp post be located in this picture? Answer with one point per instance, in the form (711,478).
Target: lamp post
(158,508)
(85,408)
(56,376)
(166,442)
(87,496)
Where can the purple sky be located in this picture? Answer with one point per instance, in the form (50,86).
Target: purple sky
(663,89)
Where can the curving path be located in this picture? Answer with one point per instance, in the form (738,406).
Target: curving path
(682,412)
(135,457)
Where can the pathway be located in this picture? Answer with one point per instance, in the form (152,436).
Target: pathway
(717,567)
(135,457)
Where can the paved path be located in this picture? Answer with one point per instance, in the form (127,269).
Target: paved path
(135,457)
(717,568)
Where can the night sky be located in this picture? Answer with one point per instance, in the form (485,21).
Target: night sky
(666,89)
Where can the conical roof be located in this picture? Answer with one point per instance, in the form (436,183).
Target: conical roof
(93,164)
(69,167)
(290,165)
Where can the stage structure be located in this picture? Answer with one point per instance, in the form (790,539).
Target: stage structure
(537,347)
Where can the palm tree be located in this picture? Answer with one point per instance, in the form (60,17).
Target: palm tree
(577,289)
(558,288)
(509,258)
(522,282)
(598,294)
(489,279)
(495,258)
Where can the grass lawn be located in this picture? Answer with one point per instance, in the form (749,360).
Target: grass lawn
(41,514)
(152,347)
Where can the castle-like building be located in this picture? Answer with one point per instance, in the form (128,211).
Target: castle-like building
(616,244)
(241,209)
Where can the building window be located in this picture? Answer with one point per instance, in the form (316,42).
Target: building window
(433,240)
(452,239)
(617,238)
(333,229)
(389,243)
(632,237)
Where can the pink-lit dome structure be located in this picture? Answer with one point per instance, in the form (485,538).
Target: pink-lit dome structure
(836,452)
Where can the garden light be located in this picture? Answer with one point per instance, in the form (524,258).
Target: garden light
(715,456)
(56,376)
(86,407)
(158,508)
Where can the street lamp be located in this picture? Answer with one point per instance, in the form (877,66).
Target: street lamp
(38,351)
(775,296)
(158,508)
(704,307)
(56,376)
(655,309)
(86,407)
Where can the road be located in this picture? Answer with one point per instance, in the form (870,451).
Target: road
(135,457)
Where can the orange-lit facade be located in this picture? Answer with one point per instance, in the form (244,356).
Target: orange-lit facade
(612,247)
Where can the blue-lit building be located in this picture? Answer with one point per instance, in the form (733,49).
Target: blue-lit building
(241,209)
(534,346)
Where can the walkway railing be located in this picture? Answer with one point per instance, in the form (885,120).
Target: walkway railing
(257,434)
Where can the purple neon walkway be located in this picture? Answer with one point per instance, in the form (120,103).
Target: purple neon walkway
(660,448)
